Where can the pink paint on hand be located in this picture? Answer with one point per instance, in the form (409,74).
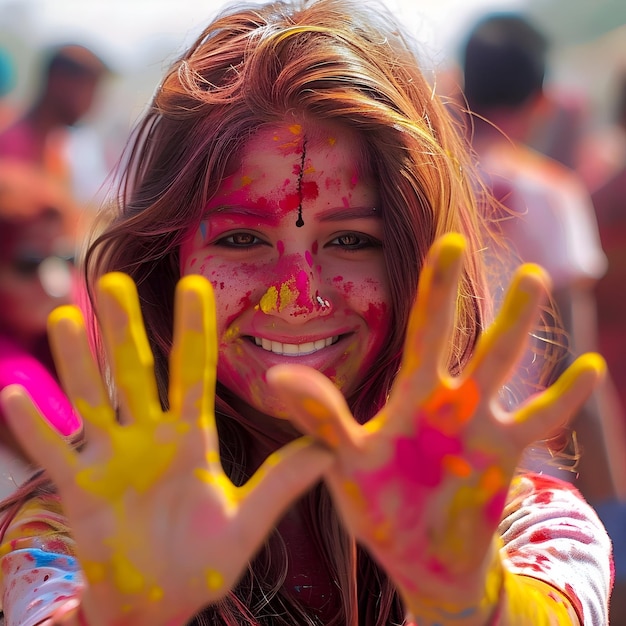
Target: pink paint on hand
(19,367)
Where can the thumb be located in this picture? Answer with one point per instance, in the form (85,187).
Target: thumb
(315,405)
(282,478)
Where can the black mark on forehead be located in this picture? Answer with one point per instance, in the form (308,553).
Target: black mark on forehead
(300,221)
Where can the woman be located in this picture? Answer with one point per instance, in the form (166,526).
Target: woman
(296,158)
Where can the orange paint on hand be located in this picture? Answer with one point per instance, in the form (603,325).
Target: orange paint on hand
(450,408)
(457,466)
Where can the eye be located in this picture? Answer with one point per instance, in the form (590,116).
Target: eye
(239,240)
(355,241)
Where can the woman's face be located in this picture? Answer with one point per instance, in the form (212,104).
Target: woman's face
(292,244)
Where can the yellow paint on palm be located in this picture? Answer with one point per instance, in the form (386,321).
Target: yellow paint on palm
(355,493)
(453,539)
(128,579)
(324,424)
(214,580)
(455,536)
(189,361)
(444,257)
(94,571)
(132,357)
(232,495)
(427,610)
(590,361)
(156,594)
(518,298)
(101,416)
(133,447)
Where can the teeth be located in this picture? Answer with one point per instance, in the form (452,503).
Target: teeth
(295,349)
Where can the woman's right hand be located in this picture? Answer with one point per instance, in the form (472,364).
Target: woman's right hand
(160,529)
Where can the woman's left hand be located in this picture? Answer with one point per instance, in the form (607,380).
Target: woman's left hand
(423,484)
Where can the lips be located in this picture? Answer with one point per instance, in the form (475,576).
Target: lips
(295,349)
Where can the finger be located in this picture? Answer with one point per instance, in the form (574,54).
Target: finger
(41,441)
(128,348)
(282,479)
(542,414)
(501,347)
(315,405)
(193,360)
(77,368)
(432,317)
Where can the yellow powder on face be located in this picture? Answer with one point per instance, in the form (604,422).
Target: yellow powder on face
(269,301)
(295,129)
(288,294)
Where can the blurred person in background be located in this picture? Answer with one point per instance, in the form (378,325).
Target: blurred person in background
(610,204)
(7,84)
(548,218)
(43,135)
(602,150)
(38,234)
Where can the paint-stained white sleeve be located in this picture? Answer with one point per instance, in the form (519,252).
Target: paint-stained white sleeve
(552,534)
(38,570)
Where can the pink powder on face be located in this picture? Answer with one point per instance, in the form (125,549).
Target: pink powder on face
(280,247)
(309,190)
(290,202)
(309,258)
(303,285)
(314,247)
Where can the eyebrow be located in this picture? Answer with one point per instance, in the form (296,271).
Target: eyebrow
(336,214)
(332,214)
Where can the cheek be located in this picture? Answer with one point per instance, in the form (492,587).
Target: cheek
(369,296)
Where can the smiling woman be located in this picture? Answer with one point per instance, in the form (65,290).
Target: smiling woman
(293,245)
(298,244)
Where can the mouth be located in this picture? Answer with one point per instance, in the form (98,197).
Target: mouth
(295,349)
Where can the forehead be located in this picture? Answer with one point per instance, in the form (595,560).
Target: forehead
(308,140)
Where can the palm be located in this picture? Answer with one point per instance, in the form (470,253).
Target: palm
(423,484)
(160,530)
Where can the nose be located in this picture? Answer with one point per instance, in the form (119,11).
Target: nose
(298,293)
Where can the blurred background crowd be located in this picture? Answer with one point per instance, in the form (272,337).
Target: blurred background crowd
(546,80)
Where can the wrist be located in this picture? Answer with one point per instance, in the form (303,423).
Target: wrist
(459,604)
